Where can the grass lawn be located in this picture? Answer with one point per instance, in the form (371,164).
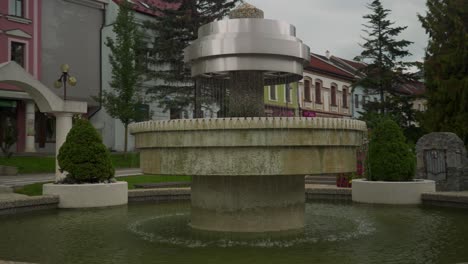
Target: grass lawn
(46,164)
(36,188)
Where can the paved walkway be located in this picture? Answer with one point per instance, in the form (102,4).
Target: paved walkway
(25,179)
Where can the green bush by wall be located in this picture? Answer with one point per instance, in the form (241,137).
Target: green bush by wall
(389,157)
(84,156)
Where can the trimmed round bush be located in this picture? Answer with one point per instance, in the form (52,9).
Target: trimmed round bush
(84,156)
(389,157)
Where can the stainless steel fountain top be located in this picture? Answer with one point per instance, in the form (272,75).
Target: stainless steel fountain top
(248,44)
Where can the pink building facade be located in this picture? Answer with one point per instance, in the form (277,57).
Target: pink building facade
(20,26)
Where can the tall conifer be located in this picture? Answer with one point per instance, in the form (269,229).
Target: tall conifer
(446,66)
(174,29)
(383,53)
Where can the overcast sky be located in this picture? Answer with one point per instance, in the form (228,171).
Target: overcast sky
(336,25)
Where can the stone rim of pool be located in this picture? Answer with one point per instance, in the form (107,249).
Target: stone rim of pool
(248,173)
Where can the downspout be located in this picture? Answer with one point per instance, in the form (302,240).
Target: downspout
(100,63)
(352,101)
(299,112)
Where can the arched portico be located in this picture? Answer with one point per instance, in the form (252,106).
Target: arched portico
(46,100)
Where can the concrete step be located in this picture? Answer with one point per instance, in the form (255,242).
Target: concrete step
(321,182)
(321,179)
(5,189)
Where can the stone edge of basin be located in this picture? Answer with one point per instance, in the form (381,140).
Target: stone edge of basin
(247,123)
(13,262)
(446,199)
(27,203)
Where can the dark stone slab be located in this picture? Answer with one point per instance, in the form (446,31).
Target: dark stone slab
(162,185)
(161,194)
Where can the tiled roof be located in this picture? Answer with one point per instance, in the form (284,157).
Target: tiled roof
(146,6)
(355,64)
(337,65)
(411,88)
(320,63)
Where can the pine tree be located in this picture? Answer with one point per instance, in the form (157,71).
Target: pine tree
(174,29)
(383,53)
(123,100)
(446,66)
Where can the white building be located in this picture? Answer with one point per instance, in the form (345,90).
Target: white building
(112,130)
(325,90)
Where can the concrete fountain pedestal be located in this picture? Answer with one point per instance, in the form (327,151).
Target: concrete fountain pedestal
(248,173)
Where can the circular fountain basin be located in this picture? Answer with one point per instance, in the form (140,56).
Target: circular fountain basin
(248,173)
(160,233)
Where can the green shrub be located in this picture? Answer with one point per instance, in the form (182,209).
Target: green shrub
(389,157)
(84,156)
(8,139)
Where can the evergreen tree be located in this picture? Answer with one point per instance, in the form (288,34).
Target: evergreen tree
(383,53)
(123,100)
(389,157)
(446,66)
(174,29)
(84,156)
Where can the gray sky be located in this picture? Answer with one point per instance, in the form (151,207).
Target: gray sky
(336,25)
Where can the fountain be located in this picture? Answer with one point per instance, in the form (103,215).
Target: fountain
(247,180)
(248,170)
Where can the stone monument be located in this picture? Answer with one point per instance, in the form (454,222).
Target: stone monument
(442,157)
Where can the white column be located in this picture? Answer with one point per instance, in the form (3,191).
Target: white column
(30,130)
(62,127)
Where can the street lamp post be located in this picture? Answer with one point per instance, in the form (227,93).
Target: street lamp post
(64,79)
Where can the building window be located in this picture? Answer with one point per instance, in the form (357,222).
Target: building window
(364,101)
(142,112)
(17,8)
(318,92)
(287,88)
(176,113)
(333,95)
(18,53)
(307,91)
(356,101)
(273,92)
(345,97)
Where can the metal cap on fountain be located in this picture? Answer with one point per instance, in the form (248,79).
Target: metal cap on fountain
(247,42)
(247,52)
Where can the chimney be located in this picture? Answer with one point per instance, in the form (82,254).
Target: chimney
(327,54)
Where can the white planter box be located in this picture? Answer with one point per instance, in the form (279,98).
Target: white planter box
(88,195)
(382,192)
